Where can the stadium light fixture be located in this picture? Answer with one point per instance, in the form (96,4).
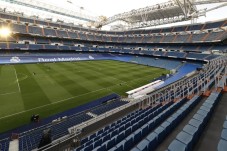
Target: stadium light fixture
(5,32)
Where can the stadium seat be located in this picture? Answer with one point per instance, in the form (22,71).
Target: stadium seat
(224,134)
(177,146)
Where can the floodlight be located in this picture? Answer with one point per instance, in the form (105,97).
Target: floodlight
(5,32)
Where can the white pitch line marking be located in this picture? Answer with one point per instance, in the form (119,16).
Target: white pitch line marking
(50,104)
(108,88)
(8,93)
(17,79)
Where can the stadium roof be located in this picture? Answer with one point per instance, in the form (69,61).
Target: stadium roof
(164,13)
(136,14)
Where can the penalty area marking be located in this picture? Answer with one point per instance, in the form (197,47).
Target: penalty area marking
(18,85)
(17,79)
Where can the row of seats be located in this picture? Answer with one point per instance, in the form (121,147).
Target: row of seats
(222,144)
(152,125)
(169,65)
(4,144)
(49,32)
(153,139)
(108,106)
(52,40)
(124,126)
(161,63)
(124,134)
(197,55)
(31,139)
(190,134)
(126,120)
(140,127)
(210,25)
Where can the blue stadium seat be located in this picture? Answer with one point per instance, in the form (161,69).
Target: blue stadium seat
(199,117)
(222,145)
(167,126)
(143,145)
(153,141)
(177,146)
(186,139)
(195,123)
(160,131)
(224,134)
(225,124)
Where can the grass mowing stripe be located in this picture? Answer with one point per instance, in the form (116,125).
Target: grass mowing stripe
(72,77)
(51,88)
(94,78)
(23,118)
(63,80)
(87,80)
(8,81)
(56,102)
(10,98)
(32,94)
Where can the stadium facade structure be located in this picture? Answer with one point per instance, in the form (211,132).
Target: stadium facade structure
(195,42)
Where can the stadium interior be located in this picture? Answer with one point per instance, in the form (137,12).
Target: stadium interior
(71,87)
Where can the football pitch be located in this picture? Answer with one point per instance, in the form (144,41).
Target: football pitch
(50,88)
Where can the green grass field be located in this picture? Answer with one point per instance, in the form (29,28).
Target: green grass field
(56,87)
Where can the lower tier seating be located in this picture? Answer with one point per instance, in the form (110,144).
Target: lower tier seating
(153,139)
(130,130)
(222,145)
(190,134)
(4,145)
(107,107)
(30,140)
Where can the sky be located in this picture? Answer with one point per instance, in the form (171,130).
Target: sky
(109,8)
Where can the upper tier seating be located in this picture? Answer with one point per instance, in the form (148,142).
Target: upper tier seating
(181,38)
(214,24)
(35,47)
(136,36)
(3,45)
(17,28)
(17,46)
(197,37)
(53,47)
(42,40)
(35,30)
(168,38)
(216,36)
(49,32)
(176,54)
(82,36)
(62,33)
(197,55)
(162,63)
(72,35)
